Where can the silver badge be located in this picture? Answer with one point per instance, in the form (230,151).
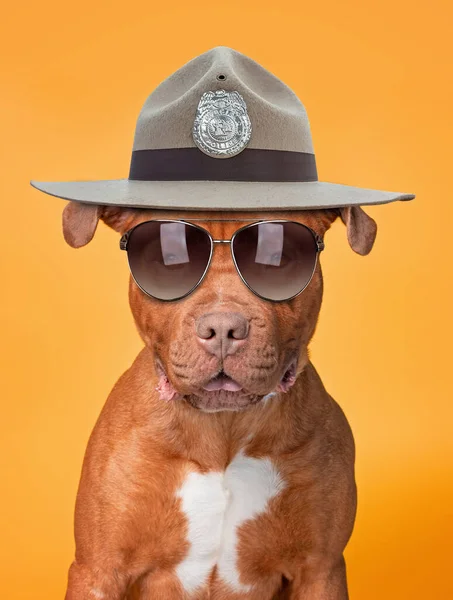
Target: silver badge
(222,127)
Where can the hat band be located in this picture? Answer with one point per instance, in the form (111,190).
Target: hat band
(190,164)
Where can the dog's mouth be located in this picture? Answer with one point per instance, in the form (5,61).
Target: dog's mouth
(222,381)
(222,392)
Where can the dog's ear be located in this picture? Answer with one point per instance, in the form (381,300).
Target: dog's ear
(361,228)
(80,220)
(79,223)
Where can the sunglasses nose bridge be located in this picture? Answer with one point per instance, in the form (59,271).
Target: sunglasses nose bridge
(221,258)
(223,244)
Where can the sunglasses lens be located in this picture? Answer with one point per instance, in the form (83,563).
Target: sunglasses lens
(277,260)
(168,259)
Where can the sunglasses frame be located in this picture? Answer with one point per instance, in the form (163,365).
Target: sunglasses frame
(318,239)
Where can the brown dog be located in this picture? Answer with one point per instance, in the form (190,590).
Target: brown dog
(227,495)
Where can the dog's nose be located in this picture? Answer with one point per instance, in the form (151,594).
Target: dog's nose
(222,333)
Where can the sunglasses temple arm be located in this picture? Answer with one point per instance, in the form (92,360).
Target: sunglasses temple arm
(319,242)
(123,241)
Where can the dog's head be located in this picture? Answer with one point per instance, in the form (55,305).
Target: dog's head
(222,331)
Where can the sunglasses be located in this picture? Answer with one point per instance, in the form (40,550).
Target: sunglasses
(168,259)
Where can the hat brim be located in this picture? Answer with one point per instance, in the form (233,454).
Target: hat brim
(218,195)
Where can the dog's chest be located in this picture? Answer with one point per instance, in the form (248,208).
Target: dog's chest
(216,505)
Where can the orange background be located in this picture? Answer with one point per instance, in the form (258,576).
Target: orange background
(376,80)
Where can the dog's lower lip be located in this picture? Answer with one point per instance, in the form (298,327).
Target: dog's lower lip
(222,382)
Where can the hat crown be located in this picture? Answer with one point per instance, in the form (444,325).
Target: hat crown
(250,118)
(279,119)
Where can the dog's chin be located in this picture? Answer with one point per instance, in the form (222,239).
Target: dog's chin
(220,400)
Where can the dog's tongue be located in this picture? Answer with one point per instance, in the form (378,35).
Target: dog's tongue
(222,383)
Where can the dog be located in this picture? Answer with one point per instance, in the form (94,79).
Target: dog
(225,495)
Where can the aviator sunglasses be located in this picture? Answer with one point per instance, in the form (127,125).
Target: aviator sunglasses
(168,259)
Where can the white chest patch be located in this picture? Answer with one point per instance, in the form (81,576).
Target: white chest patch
(215,505)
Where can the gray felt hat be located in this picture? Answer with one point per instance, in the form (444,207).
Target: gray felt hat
(221,133)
